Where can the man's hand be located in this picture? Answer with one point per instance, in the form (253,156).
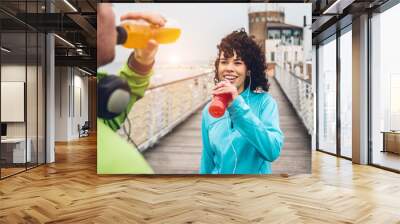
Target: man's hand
(146,55)
(225,87)
(152,18)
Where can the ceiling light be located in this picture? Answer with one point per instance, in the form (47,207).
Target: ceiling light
(86,72)
(64,40)
(5,50)
(70,5)
(338,6)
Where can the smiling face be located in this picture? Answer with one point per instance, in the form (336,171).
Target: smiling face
(232,69)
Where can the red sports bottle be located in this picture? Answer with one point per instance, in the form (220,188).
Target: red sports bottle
(219,104)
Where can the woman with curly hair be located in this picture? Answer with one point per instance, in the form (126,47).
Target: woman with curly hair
(247,138)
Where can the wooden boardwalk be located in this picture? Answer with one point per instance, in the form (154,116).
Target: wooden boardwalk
(179,152)
(70,191)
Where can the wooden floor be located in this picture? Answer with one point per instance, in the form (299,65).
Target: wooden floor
(180,151)
(387,159)
(70,191)
(10,171)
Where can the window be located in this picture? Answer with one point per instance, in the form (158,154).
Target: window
(274,34)
(327,96)
(296,32)
(272,56)
(346,94)
(297,36)
(286,35)
(22,68)
(385,88)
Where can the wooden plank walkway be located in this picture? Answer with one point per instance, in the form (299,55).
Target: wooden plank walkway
(179,152)
(70,191)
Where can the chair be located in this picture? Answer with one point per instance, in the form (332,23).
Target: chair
(84,130)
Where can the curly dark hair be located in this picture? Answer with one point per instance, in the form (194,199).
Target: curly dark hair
(250,52)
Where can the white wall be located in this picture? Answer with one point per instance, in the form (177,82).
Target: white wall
(33,127)
(62,80)
(81,82)
(71,94)
(80,109)
(12,73)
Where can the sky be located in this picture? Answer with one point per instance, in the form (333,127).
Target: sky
(202,25)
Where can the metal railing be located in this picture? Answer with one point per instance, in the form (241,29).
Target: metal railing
(299,92)
(165,106)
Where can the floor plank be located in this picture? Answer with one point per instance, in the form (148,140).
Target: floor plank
(70,191)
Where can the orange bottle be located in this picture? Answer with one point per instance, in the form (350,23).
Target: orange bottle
(219,104)
(136,35)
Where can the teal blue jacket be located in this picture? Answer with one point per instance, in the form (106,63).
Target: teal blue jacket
(245,140)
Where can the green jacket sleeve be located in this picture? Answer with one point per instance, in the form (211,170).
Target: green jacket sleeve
(138,85)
